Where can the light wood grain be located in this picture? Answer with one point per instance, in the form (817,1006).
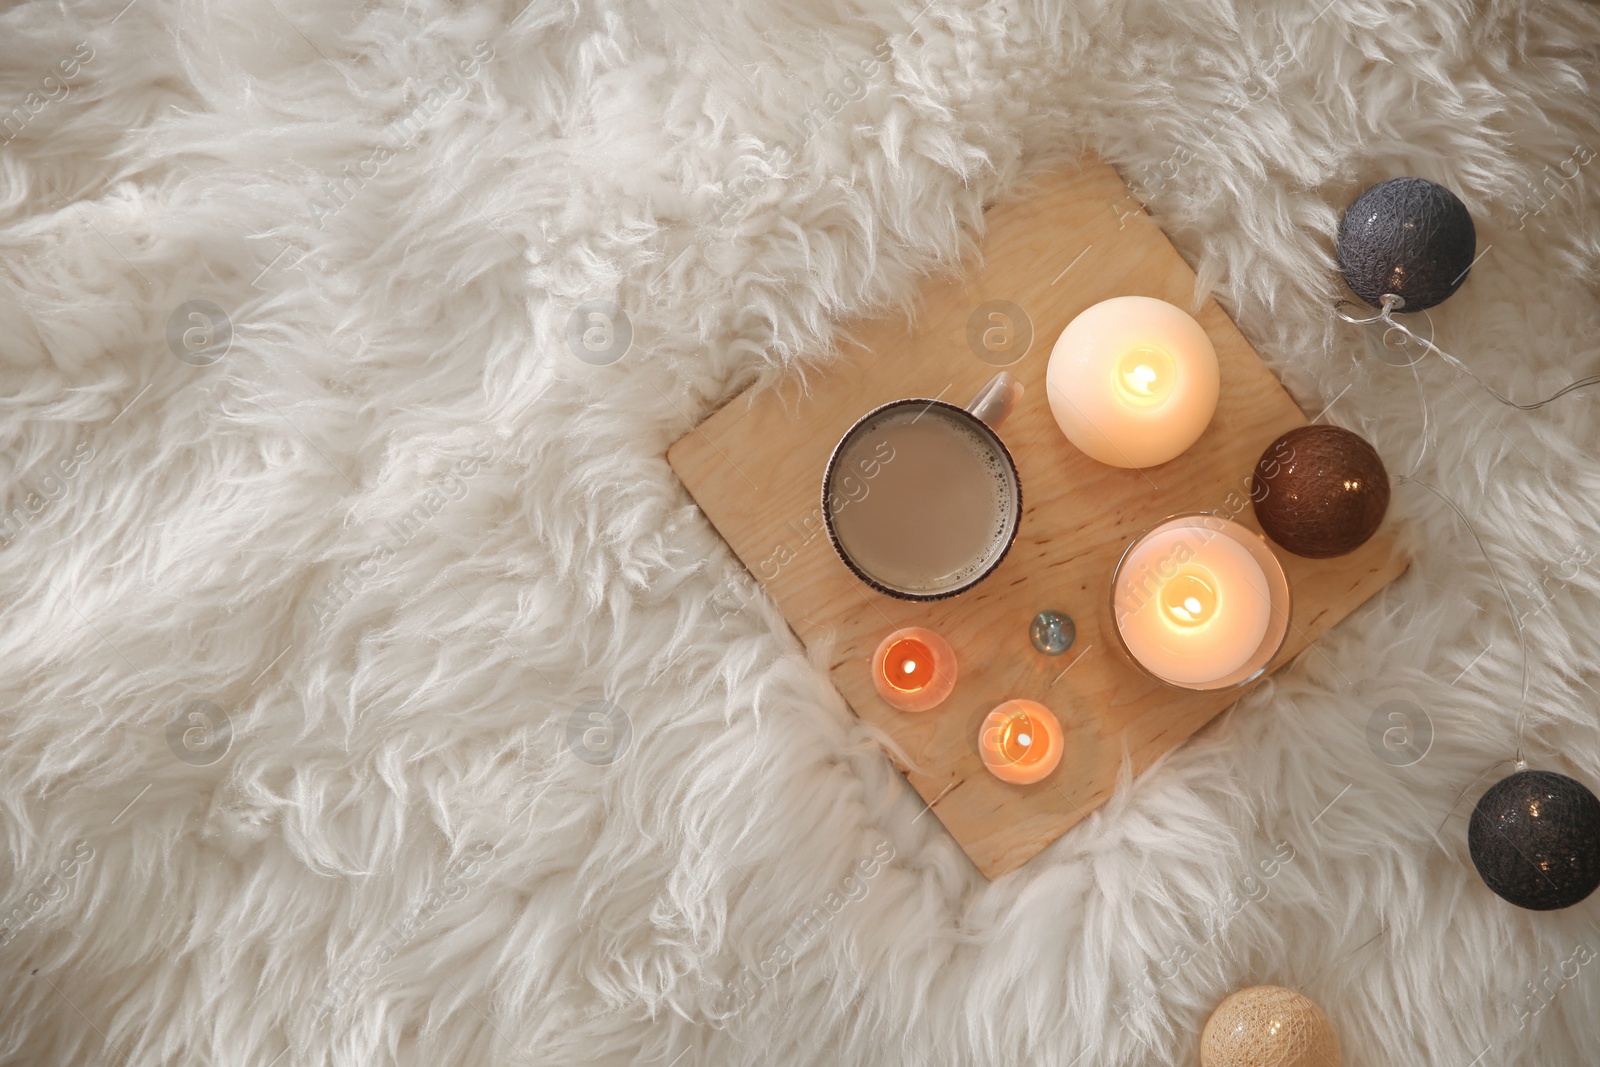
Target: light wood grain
(755,466)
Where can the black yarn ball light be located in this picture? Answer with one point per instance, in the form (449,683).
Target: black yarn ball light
(1535,839)
(1408,237)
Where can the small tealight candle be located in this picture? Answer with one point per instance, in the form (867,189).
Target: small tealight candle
(1020,742)
(1133,381)
(914,669)
(1201,602)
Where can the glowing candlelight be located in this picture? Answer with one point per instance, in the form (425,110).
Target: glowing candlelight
(1133,381)
(1020,742)
(914,669)
(1201,602)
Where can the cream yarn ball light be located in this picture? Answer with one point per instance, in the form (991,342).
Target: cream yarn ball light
(1268,1026)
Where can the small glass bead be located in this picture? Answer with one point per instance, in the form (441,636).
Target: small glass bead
(1052,632)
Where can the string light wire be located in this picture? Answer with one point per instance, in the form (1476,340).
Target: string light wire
(1392,303)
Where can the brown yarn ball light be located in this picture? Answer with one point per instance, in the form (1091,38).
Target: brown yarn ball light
(1268,1026)
(1320,491)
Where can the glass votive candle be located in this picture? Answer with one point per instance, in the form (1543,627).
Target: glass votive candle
(914,669)
(1020,742)
(1200,602)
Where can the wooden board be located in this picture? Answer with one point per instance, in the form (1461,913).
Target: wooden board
(755,468)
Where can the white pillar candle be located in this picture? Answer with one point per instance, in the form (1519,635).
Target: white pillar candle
(1133,381)
(1200,602)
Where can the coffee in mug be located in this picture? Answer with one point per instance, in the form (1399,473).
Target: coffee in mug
(936,498)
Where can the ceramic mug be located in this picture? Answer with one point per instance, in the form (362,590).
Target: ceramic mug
(921,499)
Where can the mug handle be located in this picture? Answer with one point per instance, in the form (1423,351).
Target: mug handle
(996,400)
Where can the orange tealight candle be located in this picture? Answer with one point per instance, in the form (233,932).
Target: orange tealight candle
(1020,742)
(914,669)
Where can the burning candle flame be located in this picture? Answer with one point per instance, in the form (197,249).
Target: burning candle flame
(1144,376)
(1188,599)
(908,667)
(1015,741)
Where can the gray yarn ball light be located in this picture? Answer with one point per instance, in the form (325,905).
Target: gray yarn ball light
(1409,237)
(1535,839)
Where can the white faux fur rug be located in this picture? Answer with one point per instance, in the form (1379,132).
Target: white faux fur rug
(371,692)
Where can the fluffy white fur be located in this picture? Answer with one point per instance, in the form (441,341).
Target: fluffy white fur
(400,536)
